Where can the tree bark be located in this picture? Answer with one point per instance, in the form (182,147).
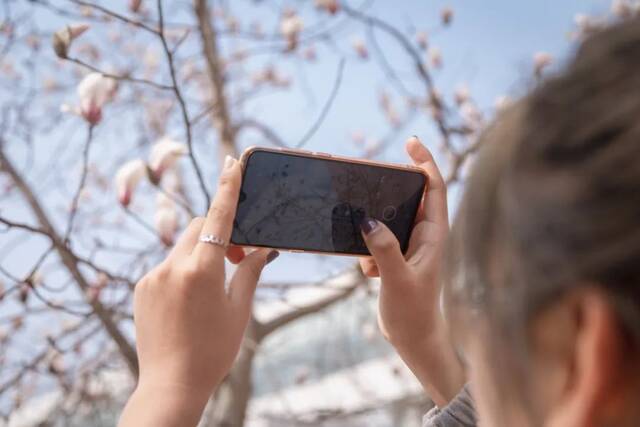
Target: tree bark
(215,69)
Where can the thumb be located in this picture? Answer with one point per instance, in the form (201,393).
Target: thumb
(385,249)
(244,281)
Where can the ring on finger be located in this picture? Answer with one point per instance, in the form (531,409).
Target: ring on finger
(213,240)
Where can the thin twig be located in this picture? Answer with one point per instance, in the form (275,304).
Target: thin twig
(327,106)
(119,77)
(181,102)
(81,184)
(116,15)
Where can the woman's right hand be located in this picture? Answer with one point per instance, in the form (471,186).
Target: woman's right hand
(409,315)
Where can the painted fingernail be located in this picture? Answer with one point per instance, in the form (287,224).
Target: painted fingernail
(368,225)
(272,255)
(228,162)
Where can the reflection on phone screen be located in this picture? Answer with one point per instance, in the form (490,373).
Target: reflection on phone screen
(297,202)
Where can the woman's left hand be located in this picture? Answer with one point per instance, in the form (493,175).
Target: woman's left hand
(189,328)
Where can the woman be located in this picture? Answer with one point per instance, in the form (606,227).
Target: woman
(541,276)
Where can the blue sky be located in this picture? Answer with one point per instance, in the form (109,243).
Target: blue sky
(489,48)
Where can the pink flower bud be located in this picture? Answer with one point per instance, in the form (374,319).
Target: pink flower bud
(290,26)
(422,39)
(435,57)
(127,179)
(94,91)
(446,15)
(164,155)
(166,222)
(309,53)
(502,103)
(134,5)
(541,60)
(63,38)
(622,9)
(331,6)
(360,47)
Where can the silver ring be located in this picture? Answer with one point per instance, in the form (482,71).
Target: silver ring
(213,240)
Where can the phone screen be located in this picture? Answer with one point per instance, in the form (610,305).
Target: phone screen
(291,201)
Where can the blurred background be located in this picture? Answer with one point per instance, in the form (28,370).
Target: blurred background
(114,118)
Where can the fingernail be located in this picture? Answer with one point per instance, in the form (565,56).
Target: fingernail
(272,255)
(368,225)
(228,162)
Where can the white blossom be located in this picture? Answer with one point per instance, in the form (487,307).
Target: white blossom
(94,91)
(502,103)
(164,155)
(290,26)
(435,57)
(622,8)
(360,47)
(166,221)
(127,179)
(541,60)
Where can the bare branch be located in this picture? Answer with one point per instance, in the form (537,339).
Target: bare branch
(119,76)
(71,264)
(181,102)
(221,114)
(268,327)
(327,106)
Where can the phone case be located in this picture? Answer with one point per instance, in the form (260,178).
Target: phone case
(317,154)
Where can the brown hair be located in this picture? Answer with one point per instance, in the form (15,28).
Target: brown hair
(553,201)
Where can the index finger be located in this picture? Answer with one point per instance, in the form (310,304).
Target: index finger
(434,206)
(222,211)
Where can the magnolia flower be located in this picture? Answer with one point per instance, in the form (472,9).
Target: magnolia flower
(290,27)
(164,155)
(270,75)
(471,115)
(134,5)
(502,103)
(94,91)
(309,53)
(166,223)
(172,180)
(127,179)
(541,60)
(63,37)
(422,38)
(622,9)
(435,57)
(461,94)
(331,6)
(360,47)
(446,15)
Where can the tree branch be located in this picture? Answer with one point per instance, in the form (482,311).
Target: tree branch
(221,114)
(181,102)
(71,264)
(265,328)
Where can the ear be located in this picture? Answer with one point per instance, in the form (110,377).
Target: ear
(592,392)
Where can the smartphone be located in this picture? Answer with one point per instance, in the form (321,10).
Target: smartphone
(305,201)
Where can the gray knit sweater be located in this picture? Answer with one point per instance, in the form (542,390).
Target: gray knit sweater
(458,413)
